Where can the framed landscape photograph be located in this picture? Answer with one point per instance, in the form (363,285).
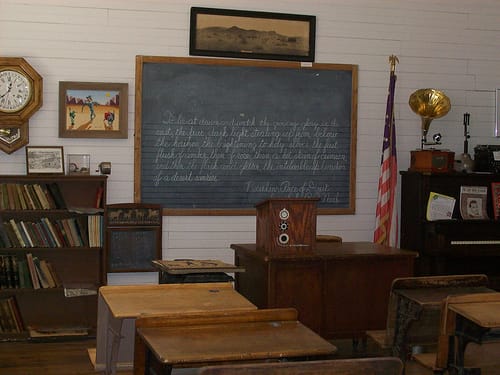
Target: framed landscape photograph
(254,35)
(93,110)
(44,160)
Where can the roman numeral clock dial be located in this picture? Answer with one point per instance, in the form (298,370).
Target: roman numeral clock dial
(20,98)
(15,91)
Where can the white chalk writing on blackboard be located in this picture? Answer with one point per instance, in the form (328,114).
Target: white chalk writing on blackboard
(211,133)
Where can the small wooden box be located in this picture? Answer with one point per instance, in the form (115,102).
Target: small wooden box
(432,161)
(286,225)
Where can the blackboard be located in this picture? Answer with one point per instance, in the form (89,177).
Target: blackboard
(133,236)
(217,136)
(131,250)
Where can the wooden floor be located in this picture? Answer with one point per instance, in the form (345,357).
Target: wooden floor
(71,357)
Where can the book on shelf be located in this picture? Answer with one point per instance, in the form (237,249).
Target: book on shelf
(99,196)
(495,199)
(473,202)
(440,206)
(4,279)
(24,228)
(42,277)
(16,314)
(4,235)
(64,224)
(47,274)
(11,235)
(56,195)
(4,197)
(52,232)
(29,199)
(32,270)
(17,232)
(42,198)
(48,234)
(10,317)
(34,196)
(75,232)
(55,276)
(9,276)
(20,197)
(24,274)
(48,196)
(44,333)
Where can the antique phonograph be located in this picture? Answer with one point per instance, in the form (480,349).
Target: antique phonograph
(430,104)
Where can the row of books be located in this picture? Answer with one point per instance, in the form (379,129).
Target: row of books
(29,272)
(79,231)
(472,203)
(10,317)
(19,196)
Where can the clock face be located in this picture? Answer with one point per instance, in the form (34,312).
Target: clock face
(15,91)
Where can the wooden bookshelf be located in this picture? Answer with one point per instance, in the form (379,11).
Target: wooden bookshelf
(56,224)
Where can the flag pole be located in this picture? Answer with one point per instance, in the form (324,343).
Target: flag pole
(386,217)
(393,60)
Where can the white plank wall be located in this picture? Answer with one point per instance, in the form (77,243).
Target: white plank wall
(450,45)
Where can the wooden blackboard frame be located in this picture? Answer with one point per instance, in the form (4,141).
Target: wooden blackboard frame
(141,61)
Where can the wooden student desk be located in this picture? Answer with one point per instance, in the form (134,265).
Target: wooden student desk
(477,322)
(119,306)
(418,314)
(208,338)
(339,289)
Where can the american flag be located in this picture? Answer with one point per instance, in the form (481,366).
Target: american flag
(386,225)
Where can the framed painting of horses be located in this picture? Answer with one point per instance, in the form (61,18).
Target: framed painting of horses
(93,110)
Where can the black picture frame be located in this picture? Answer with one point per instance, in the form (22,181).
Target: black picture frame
(253,35)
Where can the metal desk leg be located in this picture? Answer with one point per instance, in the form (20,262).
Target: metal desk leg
(407,312)
(113,344)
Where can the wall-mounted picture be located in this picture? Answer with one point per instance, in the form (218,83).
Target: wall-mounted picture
(44,160)
(254,35)
(93,110)
(497,113)
(12,139)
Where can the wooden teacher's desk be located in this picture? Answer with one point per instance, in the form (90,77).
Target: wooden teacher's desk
(119,306)
(339,289)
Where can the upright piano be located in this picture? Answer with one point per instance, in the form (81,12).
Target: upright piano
(454,246)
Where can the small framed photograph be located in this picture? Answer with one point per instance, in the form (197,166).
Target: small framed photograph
(495,199)
(44,160)
(253,35)
(78,164)
(93,110)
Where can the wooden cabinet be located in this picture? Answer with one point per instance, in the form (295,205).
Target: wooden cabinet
(339,289)
(67,236)
(454,246)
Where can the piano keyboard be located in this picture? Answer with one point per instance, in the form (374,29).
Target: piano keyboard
(476,242)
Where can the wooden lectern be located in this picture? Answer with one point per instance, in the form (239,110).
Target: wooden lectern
(286,226)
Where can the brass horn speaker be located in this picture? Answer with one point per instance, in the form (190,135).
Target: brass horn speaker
(429,104)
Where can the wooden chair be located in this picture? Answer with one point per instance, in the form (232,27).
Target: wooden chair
(328,238)
(437,361)
(424,330)
(371,366)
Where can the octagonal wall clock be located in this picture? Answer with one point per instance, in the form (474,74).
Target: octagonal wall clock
(20,91)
